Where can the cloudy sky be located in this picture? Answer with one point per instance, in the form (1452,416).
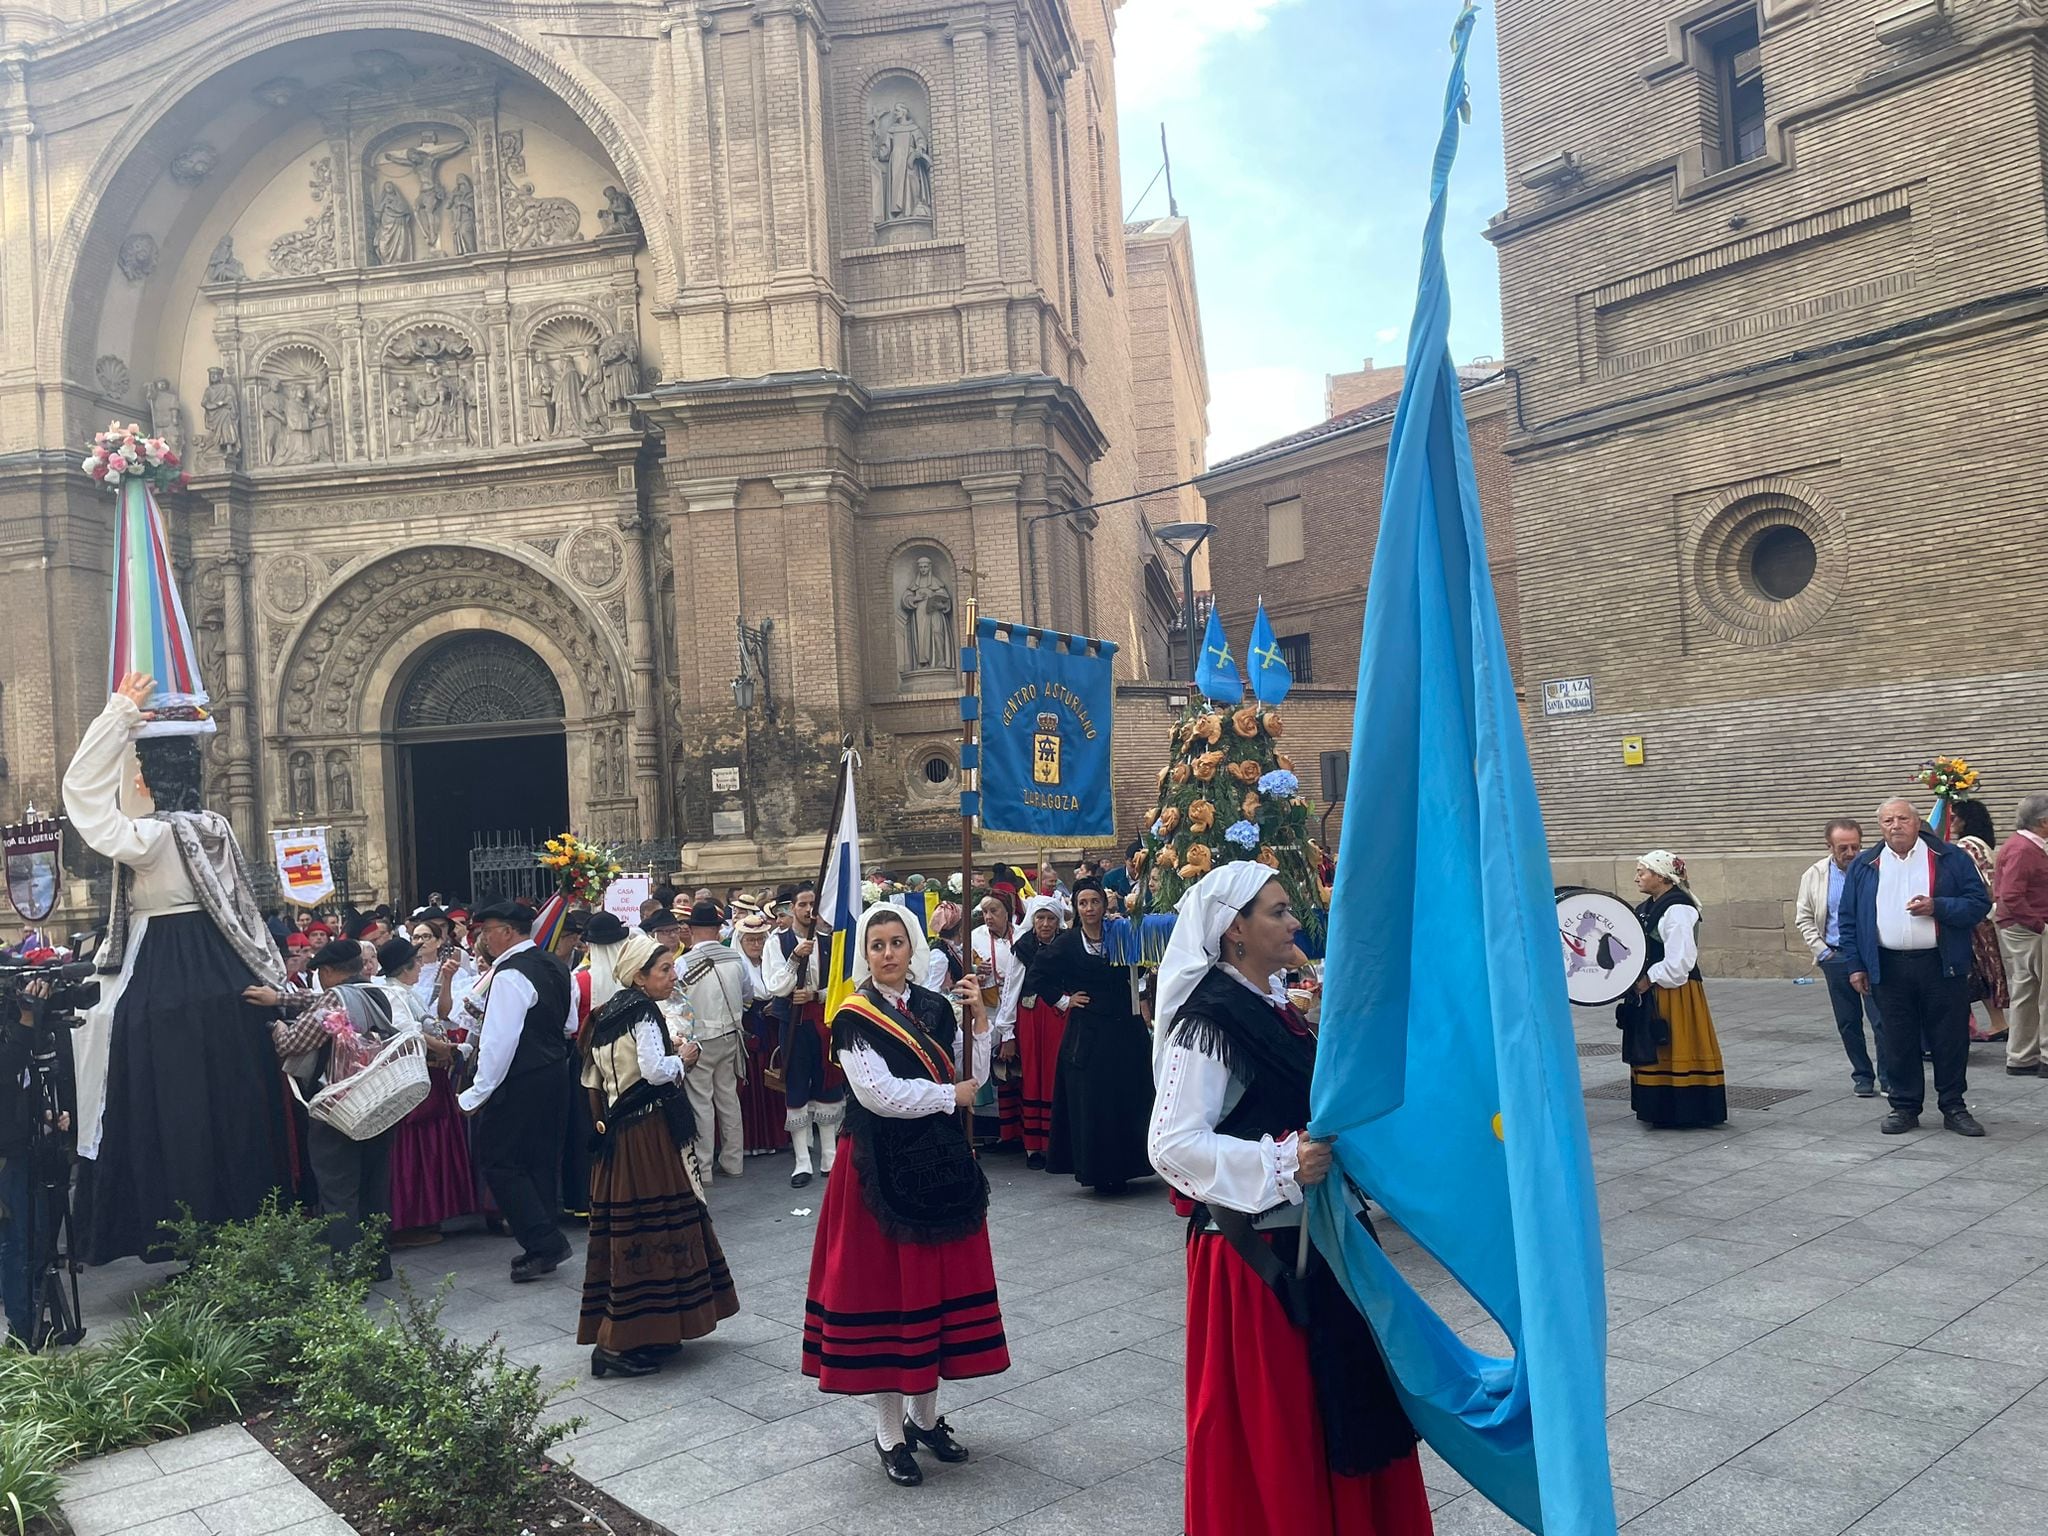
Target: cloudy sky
(1301,133)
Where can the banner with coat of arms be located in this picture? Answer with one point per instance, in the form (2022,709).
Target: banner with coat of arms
(305,875)
(35,866)
(1048,703)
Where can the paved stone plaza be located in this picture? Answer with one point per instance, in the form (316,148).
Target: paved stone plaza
(1814,1329)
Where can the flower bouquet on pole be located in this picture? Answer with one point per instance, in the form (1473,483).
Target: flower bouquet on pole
(1953,781)
(581,871)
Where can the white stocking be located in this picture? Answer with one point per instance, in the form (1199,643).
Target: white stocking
(888,1419)
(828,1117)
(798,1122)
(924,1409)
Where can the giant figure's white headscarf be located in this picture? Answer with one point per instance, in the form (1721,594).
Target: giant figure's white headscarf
(920,950)
(1206,911)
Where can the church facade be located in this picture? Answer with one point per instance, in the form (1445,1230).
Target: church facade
(595,414)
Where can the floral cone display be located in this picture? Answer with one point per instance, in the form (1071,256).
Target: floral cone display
(1230,794)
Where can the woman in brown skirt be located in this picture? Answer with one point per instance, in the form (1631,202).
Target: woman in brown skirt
(655,1274)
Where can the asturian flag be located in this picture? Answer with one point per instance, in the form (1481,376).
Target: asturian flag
(1446,1073)
(1216,671)
(1271,676)
(839,889)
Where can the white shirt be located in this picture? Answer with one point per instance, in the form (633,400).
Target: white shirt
(406,1010)
(1677,928)
(1899,880)
(784,975)
(505,1009)
(1009,980)
(1195,1093)
(899,1098)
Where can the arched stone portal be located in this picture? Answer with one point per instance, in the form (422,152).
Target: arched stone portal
(482,757)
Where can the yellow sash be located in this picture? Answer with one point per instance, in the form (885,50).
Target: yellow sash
(941,1070)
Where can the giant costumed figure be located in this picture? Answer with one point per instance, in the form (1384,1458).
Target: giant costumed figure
(179,1090)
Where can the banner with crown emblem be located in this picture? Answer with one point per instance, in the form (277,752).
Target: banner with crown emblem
(1048,702)
(305,877)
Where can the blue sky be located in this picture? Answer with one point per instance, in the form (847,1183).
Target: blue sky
(1301,133)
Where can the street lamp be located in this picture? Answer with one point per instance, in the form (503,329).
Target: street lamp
(753,673)
(1186,538)
(344,851)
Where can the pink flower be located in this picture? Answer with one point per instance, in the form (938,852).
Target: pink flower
(171,457)
(99,471)
(117,464)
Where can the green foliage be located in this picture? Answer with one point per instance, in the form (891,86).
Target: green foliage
(29,1458)
(270,1275)
(451,1432)
(1209,785)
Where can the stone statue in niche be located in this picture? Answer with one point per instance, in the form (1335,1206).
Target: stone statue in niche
(423,161)
(430,393)
(341,789)
(618,216)
(901,172)
(166,420)
(303,801)
(927,609)
(223,413)
(394,227)
(221,266)
(619,358)
(462,217)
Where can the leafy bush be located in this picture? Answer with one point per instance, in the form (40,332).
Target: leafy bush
(29,1458)
(451,1432)
(269,1275)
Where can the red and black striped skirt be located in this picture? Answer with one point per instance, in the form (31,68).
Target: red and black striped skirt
(1040,1029)
(885,1316)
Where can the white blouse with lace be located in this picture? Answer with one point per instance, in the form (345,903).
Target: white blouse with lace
(902,1098)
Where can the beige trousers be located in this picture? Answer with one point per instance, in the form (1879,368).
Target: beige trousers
(2026,958)
(714,1088)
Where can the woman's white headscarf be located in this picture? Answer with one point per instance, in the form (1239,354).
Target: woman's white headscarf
(1205,912)
(920,951)
(1038,904)
(599,959)
(628,960)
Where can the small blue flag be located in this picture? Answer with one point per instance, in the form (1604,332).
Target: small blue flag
(1271,677)
(1446,1073)
(1216,671)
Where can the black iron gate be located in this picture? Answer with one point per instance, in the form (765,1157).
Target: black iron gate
(505,866)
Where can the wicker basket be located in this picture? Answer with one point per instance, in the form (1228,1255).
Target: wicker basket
(378,1097)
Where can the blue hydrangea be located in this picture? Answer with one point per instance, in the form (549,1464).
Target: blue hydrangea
(1279,783)
(1243,833)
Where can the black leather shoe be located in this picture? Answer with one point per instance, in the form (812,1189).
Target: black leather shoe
(900,1465)
(799,1181)
(938,1440)
(1963,1123)
(1898,1122)
(604,1363)
(1034,1160)
(528,1268)
(2022,1071)
(1865,1091)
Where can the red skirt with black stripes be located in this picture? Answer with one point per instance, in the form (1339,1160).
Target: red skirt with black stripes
(884,1316)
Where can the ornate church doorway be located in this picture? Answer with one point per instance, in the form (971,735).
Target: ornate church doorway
(482,755)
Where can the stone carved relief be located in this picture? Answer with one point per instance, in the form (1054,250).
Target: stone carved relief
(221,266)
(312,249)
(379,69)
(341,785)
(295,408)
(337,649)
(899,119)
(430,390)
(194,163)
(411,201)
(220,447)
(305,803)
(618,355)
(287,584)
(478,678)
(618,216)
(594,558)
(532,221)
(111,374)
(166,417)
(137,257)
(608,744)
(923,584)
(280,91)
(568,387)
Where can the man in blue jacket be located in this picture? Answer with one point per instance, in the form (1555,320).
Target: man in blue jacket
(1908,908)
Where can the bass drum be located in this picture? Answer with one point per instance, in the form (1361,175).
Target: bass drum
(1605,950)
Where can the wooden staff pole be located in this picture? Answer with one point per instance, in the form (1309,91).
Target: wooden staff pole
(970,783)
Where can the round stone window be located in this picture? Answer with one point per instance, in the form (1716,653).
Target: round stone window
(1766,563)
(1782,561)
(933,776)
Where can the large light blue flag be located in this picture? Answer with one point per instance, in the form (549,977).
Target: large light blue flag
(1216,671)
(1271,677)
(1446,1073)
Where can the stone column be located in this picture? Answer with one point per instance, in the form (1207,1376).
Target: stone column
(642,635)
(244,811)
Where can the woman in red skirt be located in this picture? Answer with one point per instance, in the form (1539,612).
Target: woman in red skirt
(1041,1025)
(763,1117)
(903,1288)
(1284,1439)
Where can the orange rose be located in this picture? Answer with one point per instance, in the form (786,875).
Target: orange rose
(1201,816)
(1246,772)
(1199,862)
(1272,722)
(1268,858)
(1141,859)
(1210,728)
(1246,721)
(1180,773)
(1282,760)
(1206,765)
(1248,807)
(1162,778)
(1169,819)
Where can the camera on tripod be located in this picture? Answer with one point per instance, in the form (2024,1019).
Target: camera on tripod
(72,988)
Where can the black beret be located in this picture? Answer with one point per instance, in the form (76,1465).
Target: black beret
(606,929)
(338,955)
(660,921)
(514,916)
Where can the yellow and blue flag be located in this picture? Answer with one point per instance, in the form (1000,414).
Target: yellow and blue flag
(839,889)
(1271,676)
(1216,671)
(1447,1076)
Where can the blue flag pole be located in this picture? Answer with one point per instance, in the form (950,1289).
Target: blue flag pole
(1446,1074)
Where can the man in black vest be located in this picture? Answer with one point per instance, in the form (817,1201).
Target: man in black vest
(517,1096)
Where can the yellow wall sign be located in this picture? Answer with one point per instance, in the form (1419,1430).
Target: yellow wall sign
(1632,751)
